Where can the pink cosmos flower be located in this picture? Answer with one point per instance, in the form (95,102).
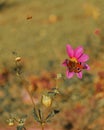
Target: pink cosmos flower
(76,63)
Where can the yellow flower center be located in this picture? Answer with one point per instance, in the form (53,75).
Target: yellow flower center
(73,59)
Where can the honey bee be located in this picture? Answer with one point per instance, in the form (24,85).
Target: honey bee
(75,66)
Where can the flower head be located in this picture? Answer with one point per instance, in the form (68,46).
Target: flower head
(76,62)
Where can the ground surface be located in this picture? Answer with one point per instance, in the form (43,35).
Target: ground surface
(38,31)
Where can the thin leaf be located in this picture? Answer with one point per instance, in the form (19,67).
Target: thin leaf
(35,115)
(40,114)
(51,114)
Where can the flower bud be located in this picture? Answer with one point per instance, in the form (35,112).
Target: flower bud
(10,122)
(46,100)
(17,59)
(59,76)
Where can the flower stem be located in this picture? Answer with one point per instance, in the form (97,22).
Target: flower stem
(26,87)
(42,127)
(26,83)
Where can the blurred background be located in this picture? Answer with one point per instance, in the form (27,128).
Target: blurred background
(38,31)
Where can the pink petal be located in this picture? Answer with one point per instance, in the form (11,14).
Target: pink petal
(78,51)
(87,67)
(64,63)
(83,58)
(69,74)
(79,75)
(70,51)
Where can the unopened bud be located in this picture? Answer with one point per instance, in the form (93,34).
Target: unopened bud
(46,100)
(59,76)
(10,122)
(17,59)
